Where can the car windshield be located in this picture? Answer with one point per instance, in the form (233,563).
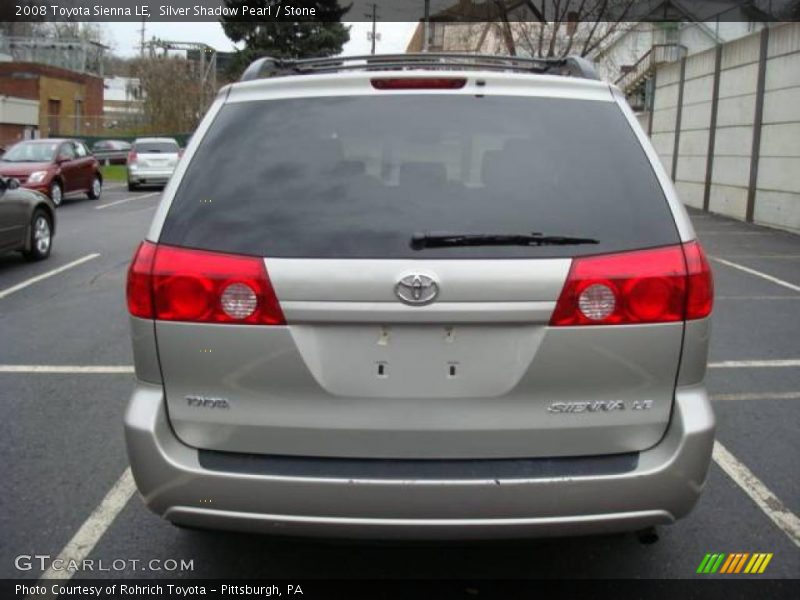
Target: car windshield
(31,152)
(156,147)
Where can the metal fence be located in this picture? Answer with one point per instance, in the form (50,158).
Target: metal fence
(72,54)
(118,126)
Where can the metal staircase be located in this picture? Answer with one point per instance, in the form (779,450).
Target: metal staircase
(646,65)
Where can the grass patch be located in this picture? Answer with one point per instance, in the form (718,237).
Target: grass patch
(114,172)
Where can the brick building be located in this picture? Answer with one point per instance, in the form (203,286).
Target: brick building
(69,102)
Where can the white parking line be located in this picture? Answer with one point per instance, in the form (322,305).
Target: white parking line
(786,256)
(94,527)
(128,199)
(758,492)
(65,369)
(754,364)
(702,233)
(758,396)
(32,280)
(756,297)
(734,265)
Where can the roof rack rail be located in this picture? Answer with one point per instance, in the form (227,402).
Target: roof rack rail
(575,66)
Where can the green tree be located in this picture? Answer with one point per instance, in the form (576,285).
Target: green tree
(320,35)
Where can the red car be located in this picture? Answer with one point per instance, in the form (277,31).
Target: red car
(55,167)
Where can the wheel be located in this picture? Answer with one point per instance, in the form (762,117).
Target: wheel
(41,236)
(96,189)
(56,193)
(132,187)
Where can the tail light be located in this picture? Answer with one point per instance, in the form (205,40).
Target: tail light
(700,296)
(132,157)
(419,83)
(139,290)
(647,286)
(176,284)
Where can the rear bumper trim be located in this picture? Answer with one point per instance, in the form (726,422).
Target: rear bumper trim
(416,528)
(436,471)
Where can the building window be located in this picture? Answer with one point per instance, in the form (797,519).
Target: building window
(437,36)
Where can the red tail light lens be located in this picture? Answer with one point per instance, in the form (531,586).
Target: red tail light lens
(132,157)
(647,286)
(700,298)
(203,287)
(419,83)
(139,290)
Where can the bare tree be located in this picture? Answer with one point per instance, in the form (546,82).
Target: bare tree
(556,28)
(84,31)
(171,93)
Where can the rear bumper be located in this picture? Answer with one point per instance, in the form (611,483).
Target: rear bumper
(663,486)
(146,176)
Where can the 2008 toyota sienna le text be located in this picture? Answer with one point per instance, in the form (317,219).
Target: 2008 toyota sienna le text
(423,296)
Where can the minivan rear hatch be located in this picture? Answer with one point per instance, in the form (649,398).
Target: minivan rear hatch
(328,194)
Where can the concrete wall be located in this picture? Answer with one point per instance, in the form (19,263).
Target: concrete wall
(18,111)
(19,120)
(776,193)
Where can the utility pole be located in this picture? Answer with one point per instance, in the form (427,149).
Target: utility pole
(141,38)
(374,35)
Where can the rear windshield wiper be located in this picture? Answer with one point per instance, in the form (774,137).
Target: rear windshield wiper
(420,241)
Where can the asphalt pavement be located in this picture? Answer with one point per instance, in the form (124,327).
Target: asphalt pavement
(62,448)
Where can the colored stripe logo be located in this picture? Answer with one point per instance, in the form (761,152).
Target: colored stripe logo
(737,562)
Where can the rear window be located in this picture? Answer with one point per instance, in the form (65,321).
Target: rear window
(155,147)
(357,177)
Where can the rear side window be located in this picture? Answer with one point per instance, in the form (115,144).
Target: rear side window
(357,177)
(156,147)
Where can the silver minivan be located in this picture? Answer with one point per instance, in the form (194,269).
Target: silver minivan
(420,296)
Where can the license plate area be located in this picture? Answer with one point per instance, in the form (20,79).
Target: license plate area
(402,360)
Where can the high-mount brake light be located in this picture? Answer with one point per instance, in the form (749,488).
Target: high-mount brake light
(661,285)
(178,284)
(419,83)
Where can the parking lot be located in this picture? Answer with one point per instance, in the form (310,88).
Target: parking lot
(65,376)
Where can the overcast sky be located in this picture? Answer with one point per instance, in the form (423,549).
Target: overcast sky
(124,37)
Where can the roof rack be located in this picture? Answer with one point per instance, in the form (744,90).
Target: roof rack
(575,66)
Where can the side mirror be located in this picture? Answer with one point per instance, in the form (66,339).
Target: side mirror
(60,159)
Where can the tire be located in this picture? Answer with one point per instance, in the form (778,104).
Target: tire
(56,193)
(132,187)
(96,189)
(41,236)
